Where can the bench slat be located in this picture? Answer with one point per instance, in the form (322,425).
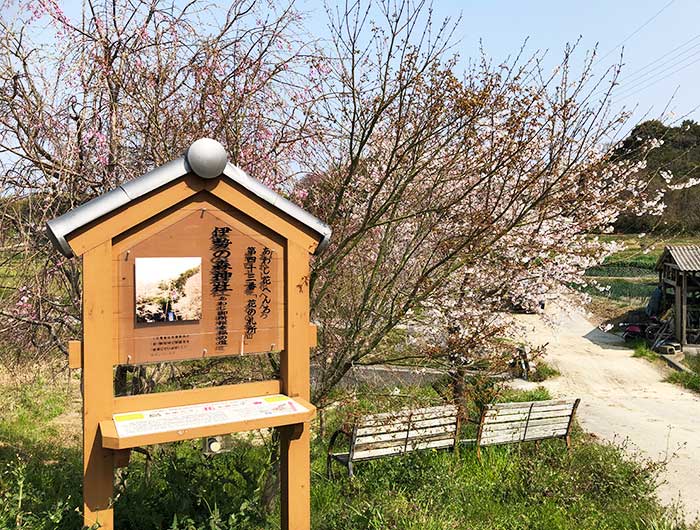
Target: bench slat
(536,415)
(401,436)
(434,444)
(527,404)
(537,432)
(547,422)
(375,453)
(386,428)
(540,410)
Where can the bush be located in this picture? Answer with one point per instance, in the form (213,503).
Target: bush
(542,372)
(689,380)
(642,350)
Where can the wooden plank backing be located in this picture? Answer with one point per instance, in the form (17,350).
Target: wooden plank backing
(417,414)
(402,435)
(526,404)
(550,422)
(393,433)
(402,425)
(524,416)
(516,422)
(535,434)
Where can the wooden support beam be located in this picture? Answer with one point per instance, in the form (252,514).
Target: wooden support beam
(295,442)
(98,333)
(313,335)
(75,354)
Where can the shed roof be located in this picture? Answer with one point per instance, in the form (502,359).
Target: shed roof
(205,158)
(686,257)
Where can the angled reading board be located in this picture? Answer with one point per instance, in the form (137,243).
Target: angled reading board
(192,260)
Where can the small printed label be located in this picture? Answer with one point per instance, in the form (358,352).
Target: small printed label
(128,417)
(273,399)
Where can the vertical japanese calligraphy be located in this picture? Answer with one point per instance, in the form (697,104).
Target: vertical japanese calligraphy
(265,282)
(221,281)
(251,326)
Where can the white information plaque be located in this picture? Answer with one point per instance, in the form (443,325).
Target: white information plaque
(219,412)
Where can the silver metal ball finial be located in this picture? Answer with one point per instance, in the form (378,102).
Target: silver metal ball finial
(207,158)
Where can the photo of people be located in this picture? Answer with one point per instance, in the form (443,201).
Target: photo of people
(168,289)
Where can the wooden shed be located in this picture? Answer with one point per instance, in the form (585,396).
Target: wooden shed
(679,282)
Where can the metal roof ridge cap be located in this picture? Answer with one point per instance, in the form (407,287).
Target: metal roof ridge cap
(275,199)
(155,178)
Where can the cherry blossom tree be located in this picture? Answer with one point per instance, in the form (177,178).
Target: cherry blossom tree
(455,193)
(92,99)
(453,196)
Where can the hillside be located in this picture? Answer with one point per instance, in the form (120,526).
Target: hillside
(680,155)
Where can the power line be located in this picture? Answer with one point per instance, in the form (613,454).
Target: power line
(631,74)
(645,79)
(658,80)
(640,73)
(636,31)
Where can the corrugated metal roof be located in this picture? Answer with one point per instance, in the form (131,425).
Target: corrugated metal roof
(207,159)
(686,257)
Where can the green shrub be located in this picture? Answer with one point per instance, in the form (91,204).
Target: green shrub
(619,271)
(689,380)
(542,372)
(642,350)
(621,289)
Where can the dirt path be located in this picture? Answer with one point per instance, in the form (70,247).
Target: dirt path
(625,398)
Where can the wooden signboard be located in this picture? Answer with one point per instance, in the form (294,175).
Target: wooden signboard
(204,286)
(193,260)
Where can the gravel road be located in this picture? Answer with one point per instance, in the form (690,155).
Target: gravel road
(624,398)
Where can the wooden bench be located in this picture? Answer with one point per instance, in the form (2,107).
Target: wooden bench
(505,423)
(396,433)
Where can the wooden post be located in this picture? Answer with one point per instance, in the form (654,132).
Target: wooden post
(295,440)
(98,463)
(684,310)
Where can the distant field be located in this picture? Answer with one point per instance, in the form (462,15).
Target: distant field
(627,278)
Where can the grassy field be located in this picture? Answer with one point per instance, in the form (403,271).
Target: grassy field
(625,280)
(517,487)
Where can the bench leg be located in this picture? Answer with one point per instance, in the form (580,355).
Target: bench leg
(351,473)
(478,453)
(329,467)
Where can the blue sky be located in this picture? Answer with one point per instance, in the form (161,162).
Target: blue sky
(503,25)
(661,40)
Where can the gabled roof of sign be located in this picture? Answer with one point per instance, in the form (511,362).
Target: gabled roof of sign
(205,158)
(686,257)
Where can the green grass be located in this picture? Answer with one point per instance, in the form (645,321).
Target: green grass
(621,289)
(542,372)
(642,350)
(689,380)
(693,362)
(528,486)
